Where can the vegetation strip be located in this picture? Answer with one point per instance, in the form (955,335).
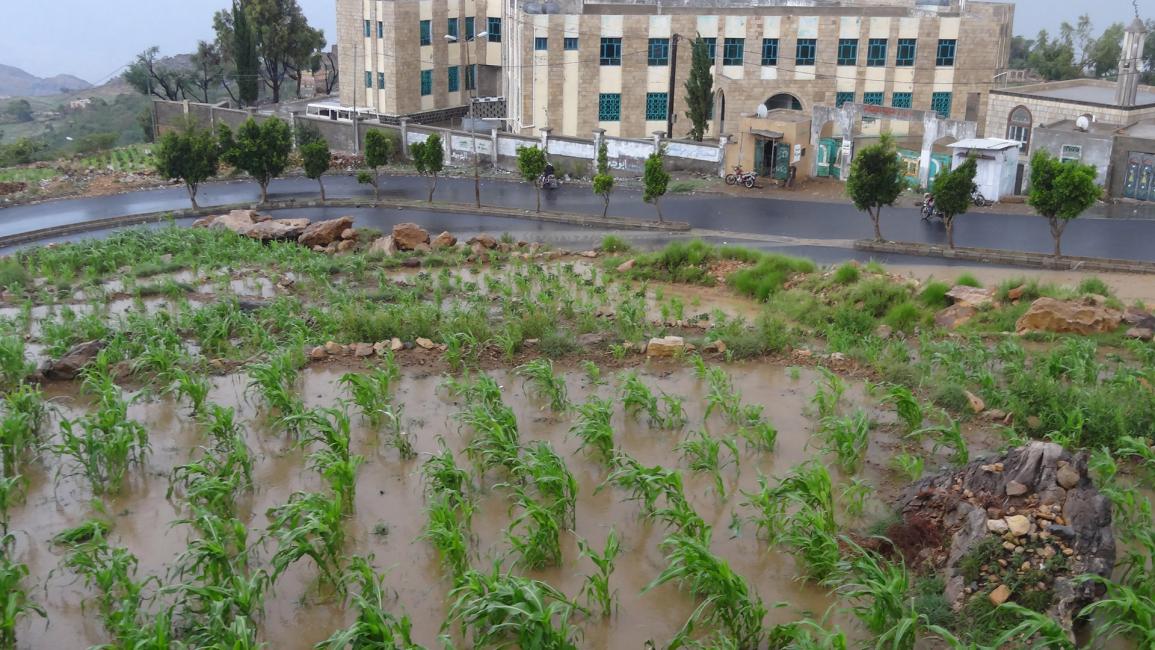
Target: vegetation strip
(1008,257)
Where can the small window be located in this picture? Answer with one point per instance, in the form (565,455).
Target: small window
(842,98)
(876,53)
(368,29)
(540,44)
(907,47)
(1019,124)
(656,104)
(1071,153)
(471,77)
(611,51)
(570,43)
(900,100)
(940,103)
(804,51)
(874,99)
(454,78)
(848,51)
(451,27)
(733,50)
(711,47)
(426,32)
(769,51)
(610,107)
(946,49)
(426,82)
(380,29)
(368,79)
(494,30)
(659,52)
(469,27)
(381,80)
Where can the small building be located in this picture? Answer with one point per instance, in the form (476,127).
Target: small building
(997,159)
(770,144)
(1132,173)
(80,104)
(1080,140)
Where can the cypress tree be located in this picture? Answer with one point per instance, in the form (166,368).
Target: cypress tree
(245,55)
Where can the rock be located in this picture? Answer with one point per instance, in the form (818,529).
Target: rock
(485,241)
(589,254)
(411,263)
(1017,292)
(383,246)
(424,343)
(1067,476)
(970,296)
(590,339)
(346,245)
(408,235)
(666,346)
(976,403)
(1140,333)
(395,344)
(1016,489)
(955,316)
(444,240)
(323,233)
(1018,525)
(997,415)
(884,332)
(422,247)
(318,353)
(204,222)
(1138,318)
(715,346)
(997,526)
(277,229)
(626,265)
(348,233)
(362,350)
(380,347)
(69,366)
(238,221)
(334,348)
(1082,316)
(1000,595)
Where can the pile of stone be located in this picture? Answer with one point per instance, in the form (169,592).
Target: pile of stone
(366,350)
(331,235)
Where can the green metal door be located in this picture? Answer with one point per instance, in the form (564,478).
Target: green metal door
(781,160)
(827,151)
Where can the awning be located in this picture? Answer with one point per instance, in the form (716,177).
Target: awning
(762,133)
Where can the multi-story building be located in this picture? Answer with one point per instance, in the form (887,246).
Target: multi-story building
(580,65)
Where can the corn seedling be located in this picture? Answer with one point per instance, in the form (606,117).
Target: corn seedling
(104,443)
(908,465)
(15,604)
(274,380)
(853,496)
(448,529)
(597,585)
(496,441)
(1036,630)
(593,372)
(798,513)
(89,531)
(309,525)
(876,588)
(190,386)
(593,427)
(556,488)
(10,487)
(444,477)
(120,597)
(645,484)
(906,405)
(638,399)
(374,627)
(499,609)
(703,453)
(949,435)
(759,435)
(847,437)
(535,534)
(829,392)
(370,392)
(542,383)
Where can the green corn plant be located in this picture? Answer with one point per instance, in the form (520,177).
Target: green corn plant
(542,383)
(645,484)
(496,441)
(274,380)
(330,430)
(556,488)
(499,609)
(798,513)
(209,483)
(727,602)
(593,427)
(535,533)
(374,628)
(722,396)
(14,366)
(698,364)
(1036,630)
(674,415)
(1139,449)
(593,372)
(309,526)
(829,393)
(105,442)
(120,598)
(847,437)
(10,491)
(18,437)
(876,588)
(597,585)
(638,399)
(369,391)
(948,435)
(89,531)
(15,603)
(679,515)
(444,477)
(853,496)
(906,405)
(190,386)
(395,434)
(447,528)
(703,453)
(760,435)
(908,465)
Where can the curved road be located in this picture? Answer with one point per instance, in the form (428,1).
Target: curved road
(804,220)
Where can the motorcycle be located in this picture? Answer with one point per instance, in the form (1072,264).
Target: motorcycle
(981,201)
(929,211)
(549,182)
(740,177)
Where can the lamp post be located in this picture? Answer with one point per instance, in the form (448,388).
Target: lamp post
(472,123)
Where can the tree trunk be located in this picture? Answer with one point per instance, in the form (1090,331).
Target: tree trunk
(949,223)
(875,216)
(192,194)
(264,191)
(537,191)
(1057,234)
(658,207)
(376,186)
(606,207)
(322,184)
(432,187)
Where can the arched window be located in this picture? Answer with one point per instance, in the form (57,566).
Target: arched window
(1019,126)
(784,100)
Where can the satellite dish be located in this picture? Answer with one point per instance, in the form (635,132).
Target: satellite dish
(761,111)
(1082,123)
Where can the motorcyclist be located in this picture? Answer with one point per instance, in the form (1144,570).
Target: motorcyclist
(927,205)
(548,179)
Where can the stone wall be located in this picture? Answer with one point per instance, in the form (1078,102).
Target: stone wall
(1096,147)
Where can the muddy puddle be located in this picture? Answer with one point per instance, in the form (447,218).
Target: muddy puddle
(390,496)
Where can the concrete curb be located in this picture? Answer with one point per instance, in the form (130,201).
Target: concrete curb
(590,221)
(1009,258)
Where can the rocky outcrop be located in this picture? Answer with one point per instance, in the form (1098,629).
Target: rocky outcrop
(69,366)
(238,221)
(970,296)
(277,229)
(383,246)
(1041,521)
(444,240)
(408,236)
(324,233)
(955,316)
(1083,316)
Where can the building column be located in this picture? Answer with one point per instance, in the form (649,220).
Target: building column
(493,148)
(658,141)
(404,137)
(723,140)
(545,131)
(293,117)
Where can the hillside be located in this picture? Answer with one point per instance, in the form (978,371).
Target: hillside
(15,82)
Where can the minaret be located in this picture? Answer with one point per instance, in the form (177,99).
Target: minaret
(1129,64)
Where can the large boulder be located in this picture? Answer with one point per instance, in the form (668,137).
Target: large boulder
(238,221)
(1081,316)
(1138,318)
(324,233)
(955,316)
(666,346)
(277,229)
(484,241)
(444,240)
(383,246)
(408,236)
(69,366)
(970,296)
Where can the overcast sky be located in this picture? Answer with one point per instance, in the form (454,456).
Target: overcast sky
(92,40)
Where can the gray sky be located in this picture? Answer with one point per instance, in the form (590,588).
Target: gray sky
(93,39)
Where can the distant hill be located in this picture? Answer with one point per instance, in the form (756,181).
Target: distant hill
(15,82)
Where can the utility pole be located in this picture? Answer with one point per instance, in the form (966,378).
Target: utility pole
(470,92)
(673,84)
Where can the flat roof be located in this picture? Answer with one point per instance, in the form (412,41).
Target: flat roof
(1095,128)
(1096,92)
(990,144)
(1144,129)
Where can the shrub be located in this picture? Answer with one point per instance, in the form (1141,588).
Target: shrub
(903,317)
(877,296)
(13,275)
(846,274)
(968,280)
(768,275)
(1093,285)
(614,244)
(855,321)
(934,294)
(950,396)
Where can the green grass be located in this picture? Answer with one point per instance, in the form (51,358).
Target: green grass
(768,275)
(968,280)
(30,175)
(614,244)
(934,295)
(848,273)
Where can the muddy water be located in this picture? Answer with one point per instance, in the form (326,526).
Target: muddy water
(389,491)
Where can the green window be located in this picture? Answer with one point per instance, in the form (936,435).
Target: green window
(451,28)
(940,103)
(380,29)
(609,107)
(540,43)
(469,26)
(733,50)
(368,79)
(381,80)
(907,47)
(872,98)
(876,52)
(426,82)
(611,51)
(570,43)
(471,77)
(945,54)
(711,47)
(900,100)
(804,51)
(494,30)
(659,52)
(769,51)
(656,104)
(454,78)
(842,98)
(368,29)
(426,32)
(848,51)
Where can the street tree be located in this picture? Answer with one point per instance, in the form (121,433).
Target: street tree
(429,159)
(952,194)
(377,150)
(531,163)
(149,75)
(316,158)
(209,69)
(699,89)
(282,32)
(875,179)
(238,46)
(190,155)
(603,179)
(259,149)
(1061,191)
(655,181)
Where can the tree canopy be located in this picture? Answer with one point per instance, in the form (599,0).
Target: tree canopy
(603,179)
(655,181)
(1061,191)
(952,193)
(191,155)
(699,89)
(259,149)
(377,150)
(531,163)
(875,179)
(429,159)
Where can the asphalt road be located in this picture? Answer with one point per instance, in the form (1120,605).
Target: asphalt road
(1118,238)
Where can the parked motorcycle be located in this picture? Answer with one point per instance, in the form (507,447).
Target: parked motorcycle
(740,177)
(981,201)
(549,182)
